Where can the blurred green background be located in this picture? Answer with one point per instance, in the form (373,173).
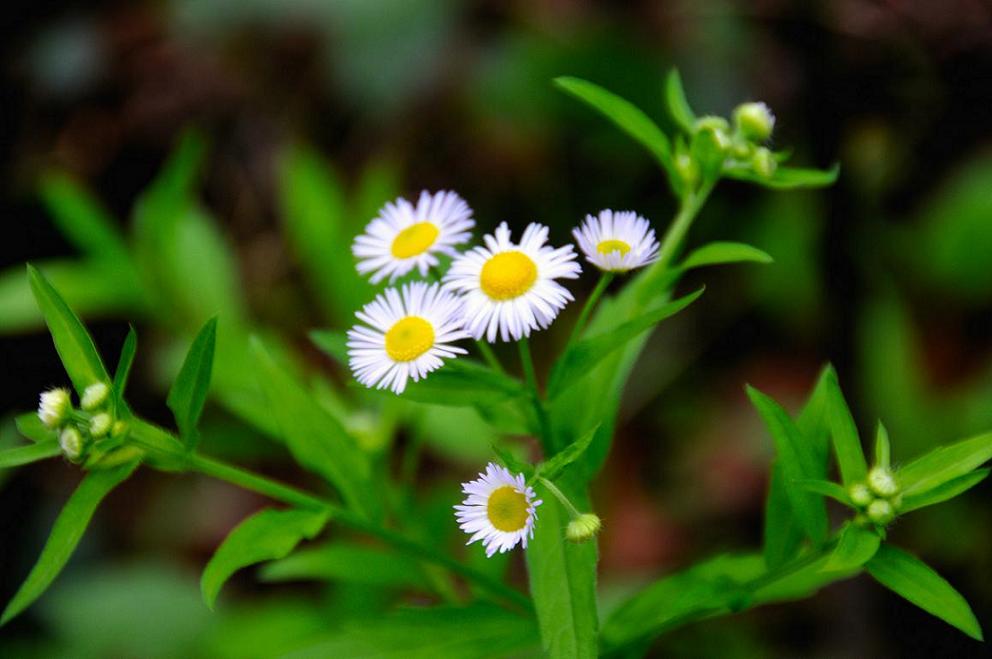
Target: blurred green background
(886,274)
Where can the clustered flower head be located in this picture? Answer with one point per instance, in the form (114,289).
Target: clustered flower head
(878,498)
(85,434)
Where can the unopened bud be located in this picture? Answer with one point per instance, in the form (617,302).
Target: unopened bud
(763,162)
(881,512)
(687,168)
(71,443)
(94,396)
(101,424)
(882,482)
(860,495)
(754,121)
(54,406)
(583,527)
(119,429)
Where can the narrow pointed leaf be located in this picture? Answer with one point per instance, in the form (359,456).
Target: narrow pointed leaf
(943,492)
(782,533)
(22,455)
(678,105)
(717,253)
(624,114)
(583,356)
(827,489)
(29,425)
(553,467)
(855,547)
(798,462)
(75,346)
(123,371)
(915,581)
(65,535)
(268,534)
(786,178)
(847,445)
(347,563)
(883,450)
(945,464)
(189,392)
(81,218)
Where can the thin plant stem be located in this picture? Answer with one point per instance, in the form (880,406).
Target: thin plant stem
(572,510)
(530,376)
(677,230)
(601,285)
(489,355)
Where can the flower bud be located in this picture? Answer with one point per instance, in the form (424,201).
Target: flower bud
(54,406)
(101,424)
(71,443)
(860,495)
(882,482)
(584,527)
(687,168)
(94,396)
(754,121)
(763,162)
(119,429)
(881,512)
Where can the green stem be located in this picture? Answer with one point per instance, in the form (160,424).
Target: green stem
(487,353)
(601,285)
(677,230)
(572,510)
(530,376)
(250,481)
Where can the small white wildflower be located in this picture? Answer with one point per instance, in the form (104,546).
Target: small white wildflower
(617,241)
(500,510)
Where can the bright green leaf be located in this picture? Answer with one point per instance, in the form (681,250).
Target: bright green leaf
(583,356)
(678,105)
(786,178)
(798,462)
(855,547)
(624,114)
(349,563)
(718,253)
(827,489)
(123,370)
(333,344)
(847,445)
(189,391)
(782,533)
(72,341)
(22,455)
(944,464)
(883,449)
(29,425)
(65,535)
(266,535)
(915,581)
(553,467)
(943,492)
(462,383)
(81,218)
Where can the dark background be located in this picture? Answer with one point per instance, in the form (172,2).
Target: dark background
(886,274)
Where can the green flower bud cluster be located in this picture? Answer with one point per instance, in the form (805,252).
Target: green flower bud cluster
(88,435)
(879,498)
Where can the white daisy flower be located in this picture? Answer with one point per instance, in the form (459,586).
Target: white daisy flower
(500,510)
(617,241)
(409,335)
(404,236)
(510,289)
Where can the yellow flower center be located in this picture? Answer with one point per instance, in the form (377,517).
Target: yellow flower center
(414,240)
(507,509)
(508,275)
(607,246)
(409,338)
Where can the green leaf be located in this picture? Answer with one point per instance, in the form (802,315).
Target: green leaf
(463,383)
(847,445)
(678,105)
(944,464)
(944,491)
(563,584)
(189,391)
(624,114)
(717,253)
(72,341)
(782,533)
(583,356)
(349,563)
(320,231)
(81,218)
(855,547)
(124,364)
(511,461)
(22,455)
(553,467)
(266,535)
(479,631)
(798,461)
(786,178)
(316,439)
(883,449)
(65,535)
(827,489)
(333,344)
(915,581)
(29,425)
